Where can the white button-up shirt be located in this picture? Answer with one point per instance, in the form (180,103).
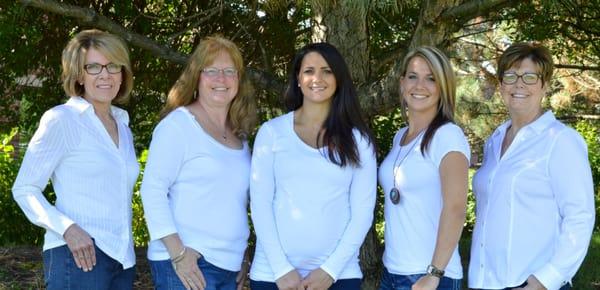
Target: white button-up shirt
(93,178)
(535,207)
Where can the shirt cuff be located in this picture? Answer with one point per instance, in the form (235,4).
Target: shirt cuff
(329,272)
(62,225)
(550,277)
(283,271)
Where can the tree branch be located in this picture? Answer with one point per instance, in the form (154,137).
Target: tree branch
(578,67)
(475,8)
(92,18)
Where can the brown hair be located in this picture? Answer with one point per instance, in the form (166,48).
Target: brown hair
(535,51)
(73,60)
(242,111)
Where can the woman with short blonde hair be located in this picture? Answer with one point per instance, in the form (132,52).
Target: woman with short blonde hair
(85,148)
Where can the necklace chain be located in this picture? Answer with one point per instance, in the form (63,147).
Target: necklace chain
(394,168)
(213,124)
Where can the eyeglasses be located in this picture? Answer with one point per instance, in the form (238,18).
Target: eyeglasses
(212,72)
(96,68)
(527,78)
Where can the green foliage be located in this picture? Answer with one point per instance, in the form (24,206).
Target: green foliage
(140,231)
(591,135)
(15,229)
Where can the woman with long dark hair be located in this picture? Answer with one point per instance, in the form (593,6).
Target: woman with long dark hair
(313,180)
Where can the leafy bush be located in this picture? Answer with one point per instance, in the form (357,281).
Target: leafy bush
(15,229)
(589,131)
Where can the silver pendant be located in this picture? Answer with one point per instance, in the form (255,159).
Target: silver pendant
(395,195)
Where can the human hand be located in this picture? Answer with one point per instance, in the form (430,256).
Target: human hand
(289,281)
(188,272)
(242,275)
(81,246)
(533,284)
(317,280)
(427,282)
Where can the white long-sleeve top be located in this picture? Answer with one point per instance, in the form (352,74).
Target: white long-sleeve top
(412,226)
(308,213)
(198,188)
(93,178)
(535,207)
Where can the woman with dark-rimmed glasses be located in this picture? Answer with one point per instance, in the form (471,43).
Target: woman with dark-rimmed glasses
(534,190)
(86,148)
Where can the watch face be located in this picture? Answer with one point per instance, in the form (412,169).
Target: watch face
(432,270)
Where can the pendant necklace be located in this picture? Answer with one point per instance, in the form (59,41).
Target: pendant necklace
(395,192)
(213,124)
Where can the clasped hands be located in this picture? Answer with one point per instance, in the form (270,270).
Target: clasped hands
(316,280)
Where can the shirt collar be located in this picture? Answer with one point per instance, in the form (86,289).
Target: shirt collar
(536,126)
(82,106)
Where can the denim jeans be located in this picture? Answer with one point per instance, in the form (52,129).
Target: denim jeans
(61,272)
(342,284)
(391,281)
(165,278)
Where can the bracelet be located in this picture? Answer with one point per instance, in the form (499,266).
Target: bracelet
(179,256)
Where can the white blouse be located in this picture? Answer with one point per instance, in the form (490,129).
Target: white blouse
(198,188)
(93,178)
(535,207)
(412,225)
(308,212)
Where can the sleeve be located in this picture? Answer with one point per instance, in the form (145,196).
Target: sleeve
(574,193)
(448,138)
(262,193)
(50,143)
(165,158)
(363,192)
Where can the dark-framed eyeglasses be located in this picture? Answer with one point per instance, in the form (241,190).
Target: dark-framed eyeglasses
(214,72)
(96,68)
(527,78)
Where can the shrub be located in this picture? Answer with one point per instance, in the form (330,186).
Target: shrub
(15,229)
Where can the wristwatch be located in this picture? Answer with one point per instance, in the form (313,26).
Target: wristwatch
(434,271)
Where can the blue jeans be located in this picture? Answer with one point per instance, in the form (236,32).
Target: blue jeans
(61,272)
(342,284)
(165,278)
(391,281)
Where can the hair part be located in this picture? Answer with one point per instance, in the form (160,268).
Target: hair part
(242,110)
(344,114)
(109,45)
(445,79)
(535,51)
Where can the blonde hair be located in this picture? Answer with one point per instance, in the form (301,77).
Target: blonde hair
(242,111)
(446,81)
(73,61)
